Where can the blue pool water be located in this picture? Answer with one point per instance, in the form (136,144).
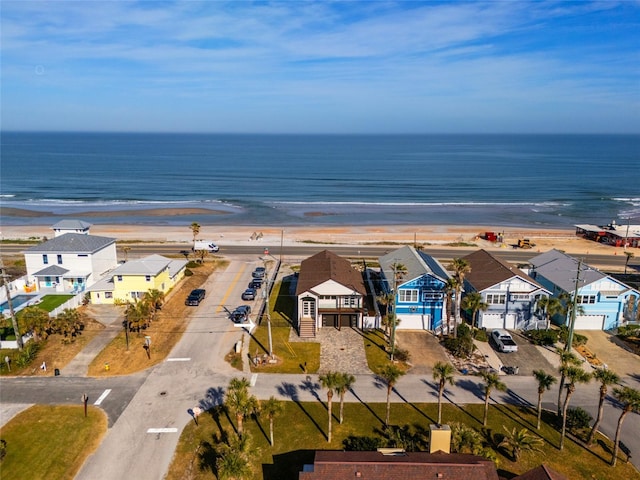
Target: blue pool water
(16,301)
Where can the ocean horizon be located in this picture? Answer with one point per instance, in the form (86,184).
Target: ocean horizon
(546,181)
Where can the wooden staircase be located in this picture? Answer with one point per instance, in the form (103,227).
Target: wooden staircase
(307,328)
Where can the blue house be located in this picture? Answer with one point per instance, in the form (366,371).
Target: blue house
(419,293)
(606,302)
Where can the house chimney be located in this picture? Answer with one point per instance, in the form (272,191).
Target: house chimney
(439,438)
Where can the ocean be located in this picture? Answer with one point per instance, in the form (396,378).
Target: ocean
(553,181)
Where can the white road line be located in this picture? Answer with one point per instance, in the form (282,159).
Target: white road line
(102,397)
(254,379)
(179,359)
(162,430)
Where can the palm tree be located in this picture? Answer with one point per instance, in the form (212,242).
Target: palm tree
(240,401)
(629,255)
(630,400)
(491,381)
(545,381)
(390,375)
(574,375)
(345,382)
(399,271)
(386,299)
(551,306)
(460,268)
(136,315)
(195,229)
(606,378)
(566,359)
(329,381)
(126,249)
(443,374)
(473,301)
(519,441)
(202,254)
(232,462)
(271,408)
(450,288)
(154,299)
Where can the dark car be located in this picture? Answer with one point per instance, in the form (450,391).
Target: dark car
(241,313)
(249,294)
(255,283)
(195,297)
(258,272)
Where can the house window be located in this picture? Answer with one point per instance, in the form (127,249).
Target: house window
(147,278)
(519,297)
(350,302)
(408,295)
(59,259)
(119,278)
(496,298)
(429,296)
(586,299)
(45,259)
(82,255)
(108,294)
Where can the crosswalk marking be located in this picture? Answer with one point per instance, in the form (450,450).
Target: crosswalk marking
(102,397)
(162,430)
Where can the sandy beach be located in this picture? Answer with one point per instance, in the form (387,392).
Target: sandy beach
(273,235)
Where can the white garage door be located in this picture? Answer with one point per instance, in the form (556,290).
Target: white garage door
(510,322)
(589,322)
(491,321)
(414,322)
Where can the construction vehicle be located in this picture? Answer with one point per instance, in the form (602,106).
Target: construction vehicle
(525,243)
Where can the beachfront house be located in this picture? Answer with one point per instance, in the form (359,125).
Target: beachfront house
(131,280)
(417,281)
(69,225)
(510,294)
(70,263)
(606,303)
(329,293)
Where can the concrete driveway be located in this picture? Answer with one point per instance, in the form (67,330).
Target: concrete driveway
(528,357)
(624,363)
(424,348)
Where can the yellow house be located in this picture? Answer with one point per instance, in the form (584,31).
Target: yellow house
(131,280)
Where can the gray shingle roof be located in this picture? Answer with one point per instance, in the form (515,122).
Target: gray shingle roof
(71,224)
(73,243)
(417,264)
(51,271)
(561,269)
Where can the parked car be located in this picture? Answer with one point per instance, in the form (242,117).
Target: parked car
(504,341)
(255,283)
(249,294)
(195,297)
(241,314)
(259,272)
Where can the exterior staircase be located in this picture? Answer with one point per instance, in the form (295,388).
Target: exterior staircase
(307,328)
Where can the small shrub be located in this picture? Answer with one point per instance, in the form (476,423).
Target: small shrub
(28,354)
(546,337)
(402,355)
(461,347)
(3,449)
(481,335)
(577,338)
(188,273)
(354,443)
(629,331)
(578,420)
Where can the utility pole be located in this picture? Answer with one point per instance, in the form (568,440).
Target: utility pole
(266,306)
(14,320)
(394,319)
(574,307)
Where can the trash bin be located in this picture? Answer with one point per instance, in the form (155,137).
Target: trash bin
(56,372)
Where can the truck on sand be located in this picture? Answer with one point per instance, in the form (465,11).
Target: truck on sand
(207,245)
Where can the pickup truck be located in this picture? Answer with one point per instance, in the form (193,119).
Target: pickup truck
(503,340)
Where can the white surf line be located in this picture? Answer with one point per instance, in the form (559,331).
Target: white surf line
(162,430)
(102,397)
(254,379)
(179,359)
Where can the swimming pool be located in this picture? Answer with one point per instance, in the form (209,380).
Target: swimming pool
(16,301)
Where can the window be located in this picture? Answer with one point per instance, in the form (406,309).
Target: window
(408,295)
(108,294)
(308,308)
(350,302)
(585,299)
(45,259)
(147,278)
(119,278)
(59,259)
(519,297)
(428,296)
(496,298)
(82,255)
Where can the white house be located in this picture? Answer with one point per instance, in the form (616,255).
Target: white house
(70,262)
(71,226)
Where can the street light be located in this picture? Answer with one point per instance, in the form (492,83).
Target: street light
(265,294)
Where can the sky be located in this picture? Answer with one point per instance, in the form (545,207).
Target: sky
(321,66)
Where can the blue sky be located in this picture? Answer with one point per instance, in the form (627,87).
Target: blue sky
(321,67)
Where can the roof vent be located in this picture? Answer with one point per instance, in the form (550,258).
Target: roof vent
(392,451)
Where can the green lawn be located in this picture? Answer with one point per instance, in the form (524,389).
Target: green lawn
(51,442)
(51,302)
(302,427)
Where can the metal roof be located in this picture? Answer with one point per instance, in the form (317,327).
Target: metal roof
(71,224)
(51,271)
(417,264)
(151,265)
(73,243)
(562,270)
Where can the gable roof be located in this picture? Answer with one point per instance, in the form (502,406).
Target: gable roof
(487,271)
(335,465)
(542,472)
(417,264)
(73,243)
(71,224)
(324,266)
(151,265)
(562,270)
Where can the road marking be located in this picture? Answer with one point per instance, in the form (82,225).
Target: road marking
(102,397)
(254,379)
(162,430)
(233,284)
(179,359)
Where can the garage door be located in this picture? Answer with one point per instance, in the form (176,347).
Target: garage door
(589,322)
(491,321)
(510,321)
(414,322)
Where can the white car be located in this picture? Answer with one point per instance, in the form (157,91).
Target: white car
(504,341)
